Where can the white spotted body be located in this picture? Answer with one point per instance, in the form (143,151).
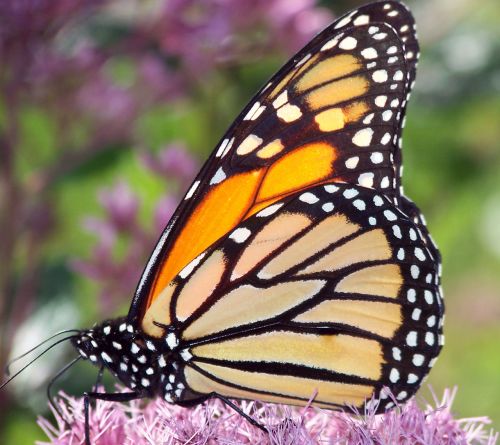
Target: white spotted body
(140,362)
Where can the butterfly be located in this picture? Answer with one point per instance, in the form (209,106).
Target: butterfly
(294,264)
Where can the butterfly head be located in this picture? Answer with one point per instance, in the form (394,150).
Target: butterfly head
(117,346)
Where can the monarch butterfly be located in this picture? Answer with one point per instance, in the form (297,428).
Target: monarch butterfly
(295,263)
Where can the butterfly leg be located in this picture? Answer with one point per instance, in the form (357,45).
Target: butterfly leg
(52,403)
(109,397)
(239,411)
(214,395)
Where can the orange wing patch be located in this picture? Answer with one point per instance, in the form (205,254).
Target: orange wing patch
(239,197)
(304,166)
(221,209)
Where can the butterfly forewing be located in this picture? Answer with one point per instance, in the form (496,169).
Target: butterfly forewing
(333,112)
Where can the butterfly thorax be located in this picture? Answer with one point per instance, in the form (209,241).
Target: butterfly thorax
(144,364)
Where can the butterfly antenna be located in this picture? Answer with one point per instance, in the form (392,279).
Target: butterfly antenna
(51,384)
(35,359)
(24,354)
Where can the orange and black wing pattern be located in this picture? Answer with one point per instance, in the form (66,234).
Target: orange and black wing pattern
(330,118)
(332,290)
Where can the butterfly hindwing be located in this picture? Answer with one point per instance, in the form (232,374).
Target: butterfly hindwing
(334,111)
(336,270)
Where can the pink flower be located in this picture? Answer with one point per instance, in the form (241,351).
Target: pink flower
(121,205)
(173,162)
(158,422)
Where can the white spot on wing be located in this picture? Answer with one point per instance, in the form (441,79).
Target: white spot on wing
(330,188)
(359,204)
(385,139)
(394,375)
(172,340)
(240,235)
(389,215)
(366,179)
(270,210)
(190,267)
(368,119)
(429,298)
(352,162)
(411,295)
(419,253)
(429,338)
(380,36)
(249,144)
(376,157)
(348,43)
(258,112)
(343,22)
(282,99)
(186,355)
(350,193)
(191,191)
(398,75)
(411,339)
(412,378)
(330,44)
(380,76)
(396,353)
(218,177)
(418,359)
(369,53)
(327,206)
(289,113)
(222,147)
(362,20)
(252,110)
(228,147)
(309,198)
(415,271)
(397,232)
(303,60)
(363,137)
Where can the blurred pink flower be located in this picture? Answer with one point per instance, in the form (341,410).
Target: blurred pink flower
(206,34)
(172,162)
(165,208)
(121,206)
(164,84)
(158,422)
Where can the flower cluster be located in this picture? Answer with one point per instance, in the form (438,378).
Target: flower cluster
(214,423)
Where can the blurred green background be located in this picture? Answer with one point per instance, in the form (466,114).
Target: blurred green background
(106,110)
